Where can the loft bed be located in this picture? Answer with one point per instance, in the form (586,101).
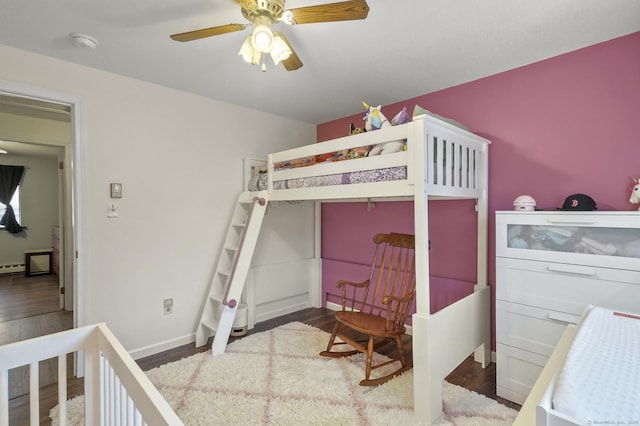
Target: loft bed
(437,159)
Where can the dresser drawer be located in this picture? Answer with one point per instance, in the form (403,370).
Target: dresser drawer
(530,328)
(602,238)
(516,372)
(565,287)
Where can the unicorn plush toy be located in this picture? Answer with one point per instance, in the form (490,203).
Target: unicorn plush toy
(635,192)
(374,119)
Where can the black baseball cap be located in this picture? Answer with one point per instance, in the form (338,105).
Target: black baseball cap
(579,202)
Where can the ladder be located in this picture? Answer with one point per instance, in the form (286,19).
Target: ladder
(219,311)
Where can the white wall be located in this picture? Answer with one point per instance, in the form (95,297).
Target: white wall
(39,207)
(178,157)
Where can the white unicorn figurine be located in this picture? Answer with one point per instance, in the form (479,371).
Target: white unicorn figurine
(635,192)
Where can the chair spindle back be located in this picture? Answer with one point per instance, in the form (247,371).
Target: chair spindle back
(392,281)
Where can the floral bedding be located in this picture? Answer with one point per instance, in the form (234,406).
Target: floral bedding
(260,181)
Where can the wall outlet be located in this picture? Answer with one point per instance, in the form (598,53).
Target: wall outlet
(168,306)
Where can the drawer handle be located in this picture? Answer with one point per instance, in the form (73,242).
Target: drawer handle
(566,318)
(570,222)
(590,273)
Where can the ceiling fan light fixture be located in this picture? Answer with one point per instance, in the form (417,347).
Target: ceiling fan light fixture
(248,53)
(262,38)
(280,51)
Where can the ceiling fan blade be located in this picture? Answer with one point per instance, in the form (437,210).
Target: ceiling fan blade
(293,62)
(208,32)
(331,12)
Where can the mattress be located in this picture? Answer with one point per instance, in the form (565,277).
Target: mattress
(260,182)
(599,382)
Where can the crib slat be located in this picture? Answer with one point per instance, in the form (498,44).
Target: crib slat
(34,393)
(62,389)
(92,406)
(4,397)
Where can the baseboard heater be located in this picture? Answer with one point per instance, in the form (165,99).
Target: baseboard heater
(11,268)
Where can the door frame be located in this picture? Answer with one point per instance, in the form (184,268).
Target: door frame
(78,222)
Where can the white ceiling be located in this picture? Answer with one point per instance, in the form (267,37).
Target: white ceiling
(405,48)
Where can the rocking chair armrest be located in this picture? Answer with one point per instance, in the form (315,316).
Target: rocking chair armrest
(388,299)
(343,283)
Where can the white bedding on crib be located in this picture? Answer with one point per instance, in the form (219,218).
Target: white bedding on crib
(600,380)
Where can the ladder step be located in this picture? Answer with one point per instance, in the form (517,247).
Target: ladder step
(210,323)
(232,249)
(216,297)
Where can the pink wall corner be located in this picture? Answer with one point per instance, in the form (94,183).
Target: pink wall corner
(560,126)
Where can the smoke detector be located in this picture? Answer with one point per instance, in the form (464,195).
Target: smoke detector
(83,40)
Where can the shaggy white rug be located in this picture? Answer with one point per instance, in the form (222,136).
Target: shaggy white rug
(278,378)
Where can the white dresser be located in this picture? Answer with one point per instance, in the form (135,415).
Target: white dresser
(549,266)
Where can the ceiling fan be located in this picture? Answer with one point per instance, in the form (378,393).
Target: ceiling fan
(262,14)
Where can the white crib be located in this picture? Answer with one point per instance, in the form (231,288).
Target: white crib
(117,391)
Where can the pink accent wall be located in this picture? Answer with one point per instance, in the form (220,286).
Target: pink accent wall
(568,124)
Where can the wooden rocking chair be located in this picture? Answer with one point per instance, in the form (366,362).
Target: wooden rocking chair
(378,307)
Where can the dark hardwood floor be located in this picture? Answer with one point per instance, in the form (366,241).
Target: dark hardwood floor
(23,297)
(469,374)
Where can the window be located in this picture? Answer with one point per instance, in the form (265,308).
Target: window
(15,203)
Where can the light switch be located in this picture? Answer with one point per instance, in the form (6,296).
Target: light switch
(112,210)
(116,190)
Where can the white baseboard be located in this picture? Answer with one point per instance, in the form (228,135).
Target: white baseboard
(162,346)
(333,306)
(11,268)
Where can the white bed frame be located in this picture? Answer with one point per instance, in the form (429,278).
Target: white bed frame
(460,174)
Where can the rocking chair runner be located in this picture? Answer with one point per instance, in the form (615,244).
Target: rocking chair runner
(378,307)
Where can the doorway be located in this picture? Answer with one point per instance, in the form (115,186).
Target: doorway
(32,277)
(72,217)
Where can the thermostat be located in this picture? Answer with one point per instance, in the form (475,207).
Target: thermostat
(116,190)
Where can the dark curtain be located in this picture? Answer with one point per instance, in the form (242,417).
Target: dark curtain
(10,177)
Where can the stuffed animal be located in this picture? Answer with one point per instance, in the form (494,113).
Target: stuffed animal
(635,192)
(374,119)
(353,130)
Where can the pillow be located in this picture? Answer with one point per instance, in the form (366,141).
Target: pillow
(418,110)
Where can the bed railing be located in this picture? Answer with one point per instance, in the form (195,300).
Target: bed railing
(451,161)
(116,390)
